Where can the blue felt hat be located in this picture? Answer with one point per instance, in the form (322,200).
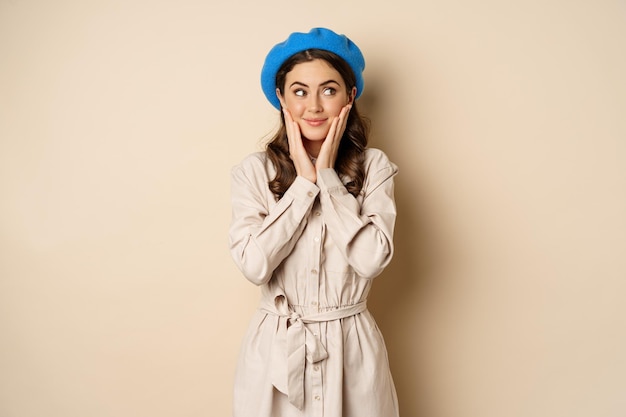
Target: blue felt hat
(317,38)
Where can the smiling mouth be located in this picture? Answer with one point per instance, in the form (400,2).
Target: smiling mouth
(315,122)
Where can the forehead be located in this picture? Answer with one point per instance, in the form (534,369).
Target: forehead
(313,72)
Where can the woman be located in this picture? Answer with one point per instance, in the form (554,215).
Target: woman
(313,220)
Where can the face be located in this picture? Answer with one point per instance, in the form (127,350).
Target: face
(314,94)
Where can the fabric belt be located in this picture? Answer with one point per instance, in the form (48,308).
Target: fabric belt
(300,344)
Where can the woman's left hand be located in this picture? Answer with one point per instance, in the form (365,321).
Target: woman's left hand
(328,151)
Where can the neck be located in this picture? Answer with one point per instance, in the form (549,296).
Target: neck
(312,147)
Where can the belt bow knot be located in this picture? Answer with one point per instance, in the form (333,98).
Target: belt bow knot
(301,344)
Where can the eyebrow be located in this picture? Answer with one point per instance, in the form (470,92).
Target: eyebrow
(321,85)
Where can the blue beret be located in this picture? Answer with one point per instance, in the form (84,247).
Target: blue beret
(317,38)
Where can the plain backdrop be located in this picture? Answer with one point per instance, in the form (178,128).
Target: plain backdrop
(121,119)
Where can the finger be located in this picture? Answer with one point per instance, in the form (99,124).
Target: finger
(288,123)
(297,152)
(343,119)
(291,127)
(337,127)
(330,144)
(330,136)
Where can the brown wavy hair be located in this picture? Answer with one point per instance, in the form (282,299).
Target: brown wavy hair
(351,152)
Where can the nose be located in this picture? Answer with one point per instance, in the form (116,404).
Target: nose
(315,103)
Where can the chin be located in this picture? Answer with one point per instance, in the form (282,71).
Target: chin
(314,136)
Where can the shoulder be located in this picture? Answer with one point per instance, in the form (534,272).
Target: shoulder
(255,164)
(379,170)
(254,160)
(256,170)
(376,161)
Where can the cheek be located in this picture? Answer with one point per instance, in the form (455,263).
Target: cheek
(335,109)
(293,106)
(337,104)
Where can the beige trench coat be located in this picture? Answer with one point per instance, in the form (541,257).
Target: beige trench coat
(312,348)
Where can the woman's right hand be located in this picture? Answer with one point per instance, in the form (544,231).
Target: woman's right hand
(297,152)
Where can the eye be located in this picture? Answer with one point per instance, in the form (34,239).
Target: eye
(299,92)
(329,91)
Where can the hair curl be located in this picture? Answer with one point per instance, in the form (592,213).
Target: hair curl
(350,155)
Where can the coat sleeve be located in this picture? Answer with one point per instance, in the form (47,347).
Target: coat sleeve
(262,235)
(363,232)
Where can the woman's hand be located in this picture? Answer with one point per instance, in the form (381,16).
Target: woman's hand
(330,147)
(297,152)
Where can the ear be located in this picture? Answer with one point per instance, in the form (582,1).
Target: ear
(352,95)
(280,98)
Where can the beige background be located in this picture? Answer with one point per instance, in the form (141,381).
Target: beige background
(120,120)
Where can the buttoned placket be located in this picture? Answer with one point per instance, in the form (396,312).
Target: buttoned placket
(313,372)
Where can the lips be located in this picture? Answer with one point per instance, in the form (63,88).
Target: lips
(315,122)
